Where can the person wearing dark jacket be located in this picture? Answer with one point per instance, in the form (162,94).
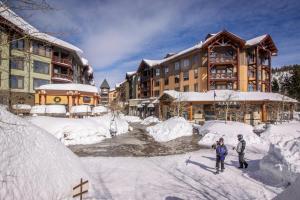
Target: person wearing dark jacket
(221,153)
(240,149)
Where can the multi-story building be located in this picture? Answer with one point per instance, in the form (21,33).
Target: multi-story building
(30,58)
(132,79)
(222,61)
(104,92)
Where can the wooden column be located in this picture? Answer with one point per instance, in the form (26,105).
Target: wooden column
(264,112)
(43,99)
(238,68)
(191,112)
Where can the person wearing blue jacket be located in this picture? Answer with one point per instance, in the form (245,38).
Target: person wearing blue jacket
(221,153)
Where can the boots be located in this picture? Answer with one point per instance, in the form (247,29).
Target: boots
(241,165)
(246,165)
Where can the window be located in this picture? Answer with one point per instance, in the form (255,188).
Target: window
(177,79)
(177,66)
(196,73)
(186,63)
(156,83)
(17,63)
(186,75)
(17,43)
(156,93)
(166,70)
(166,81)
(40,67)
(38,82)
(177,89)
(186,88)
(157,72)
(250,87)
(195,59)
(16,82)
(196,87)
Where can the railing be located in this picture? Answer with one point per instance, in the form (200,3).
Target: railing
(63,76)
(223,75)
(66,61)
(222,59)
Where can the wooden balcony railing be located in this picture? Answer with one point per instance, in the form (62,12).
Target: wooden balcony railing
(63,76)
(222,76)
(222,59)
(65,61)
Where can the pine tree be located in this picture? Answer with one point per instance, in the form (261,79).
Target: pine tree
(275,85)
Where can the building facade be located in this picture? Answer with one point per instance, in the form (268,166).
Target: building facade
(30,59)
(222,61)
(104,92)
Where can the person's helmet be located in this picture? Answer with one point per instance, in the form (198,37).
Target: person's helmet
(221,139)
(240,136)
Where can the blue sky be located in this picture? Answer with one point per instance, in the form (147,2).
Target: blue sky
(116,35)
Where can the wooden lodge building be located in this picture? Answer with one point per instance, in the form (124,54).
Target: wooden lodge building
(224,61)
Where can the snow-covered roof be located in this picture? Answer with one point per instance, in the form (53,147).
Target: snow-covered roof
(152,63)
(104,84)
(69,87)
(13,18)
(84,61)
(130,73)
(81,109)
(223,95)
(256,40)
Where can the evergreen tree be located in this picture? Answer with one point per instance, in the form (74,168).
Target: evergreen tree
(275,85)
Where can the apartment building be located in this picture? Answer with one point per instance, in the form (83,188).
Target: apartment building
(223,61)
(104,92)
(30,59)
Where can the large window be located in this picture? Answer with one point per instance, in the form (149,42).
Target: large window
(38,82)
(16,82)
(41,67)
(177,79)
(186,75)
(166,70)
(156,93)
(186,88)
(17,63)
(177,66)
(157,72)
(186,63)
(41,49)
(17,43)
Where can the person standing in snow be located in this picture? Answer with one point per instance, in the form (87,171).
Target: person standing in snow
(221,153)
(240,149)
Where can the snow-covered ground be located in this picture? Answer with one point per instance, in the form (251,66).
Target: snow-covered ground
(34,165)
(81,131)
(131,119)
(150,120)
(170,129)
(188,176)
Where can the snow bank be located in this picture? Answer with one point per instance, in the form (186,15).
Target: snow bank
(131,119)
(296,116)
(21,107)
(81,131)
(100,109)
(170,129)
(213,130)
(80,109)
(38,109)
(291,193)
(150,120)
(55,109)
(33,164)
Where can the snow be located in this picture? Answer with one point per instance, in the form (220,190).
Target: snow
(34,165)
(84,61)
(38,109)
(100,109)
(130,119)
(296,116)
(81,109)
(170,129)
(69,87)
(283,159)
(223,95)
(256,40)
(185,176)
(81,131)
(21,107)
(291,193)
(213,130)
(130,73)
(150,120)
(55,109)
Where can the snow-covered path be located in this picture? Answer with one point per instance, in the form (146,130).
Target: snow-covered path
(188,176)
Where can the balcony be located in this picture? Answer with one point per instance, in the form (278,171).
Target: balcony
(63,61)
(223,76)
(66,78)
(221,59)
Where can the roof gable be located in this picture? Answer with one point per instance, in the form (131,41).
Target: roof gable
(104,84)
(265,41)
(213,37)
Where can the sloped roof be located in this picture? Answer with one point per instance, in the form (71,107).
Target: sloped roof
(68,87)
(256,40)
(223,95)
(224,32)
(104,84)
(263,38)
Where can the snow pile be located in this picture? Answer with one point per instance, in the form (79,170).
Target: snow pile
(21,107)
(38,109)
(80,109)
(55,109)
(283,160)
(170,129)
(291,193)
(131,119)
(150,120)
(213,130)
(81,131)
(296,116)
(100,109)
(33,164)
